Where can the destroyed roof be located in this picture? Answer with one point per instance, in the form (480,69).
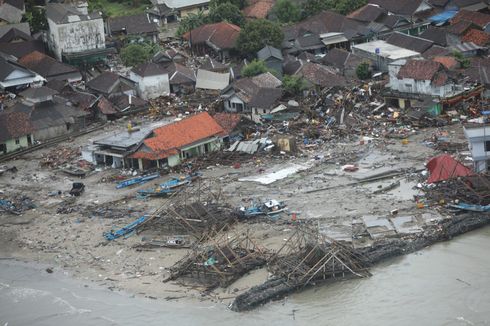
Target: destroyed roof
(20,49)
(227,121)
(422,70)
(212,80)
(169,139)
(38,92)
(48,67)
(219,35)
(259,9)
(23,27)
(14,125)
(413,43)
(149,69)
(340,58)
(65,14)
(107,81)
(124,102)
(320,75)
(446,61)
(213,65)
(434,51)
(180,74)
(477,37)
(437,35)
(133,24)
(401,7)
(14,34)
(269,51)
(106,107)
(445,167)
(477,18)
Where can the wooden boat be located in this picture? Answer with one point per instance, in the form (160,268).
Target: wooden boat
(137,180)
(268,208)
(168,187)
(74,170)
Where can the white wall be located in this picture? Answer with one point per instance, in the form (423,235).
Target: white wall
(152,86)
(76,37)
(409,85)
(230,104)
(476,139)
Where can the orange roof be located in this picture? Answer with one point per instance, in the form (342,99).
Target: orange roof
(227,121)
(223,35)
(259,9)
(476,36)
(448,62)
(169,139)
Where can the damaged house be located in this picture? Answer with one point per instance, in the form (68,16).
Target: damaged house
(218,39)
(170,144)
(15,131)
(152,80)
(49,68)
(253,96)
(139,25)
(14,76)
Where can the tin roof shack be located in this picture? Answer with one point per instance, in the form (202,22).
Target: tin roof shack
(219,39)
(253,96)
(15,131)
(169,145)
(478,135)
(50,119)
(14,76)
(114,150)
(139,25)
(381,53)
(49,68)
(74,35)
(11,11)
(152,79)
(414,79)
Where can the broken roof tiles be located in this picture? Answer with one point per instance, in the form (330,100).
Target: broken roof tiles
(221,35)
(419,69)
(476,36)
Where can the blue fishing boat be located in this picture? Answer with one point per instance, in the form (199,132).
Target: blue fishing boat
(268,208)
(112,235)
(168,187)
(471,207)
(137,180)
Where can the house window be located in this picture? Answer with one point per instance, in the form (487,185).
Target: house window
(265,111)
(487,146)
(408,85)
(17,141)
(239,107)
(229,104)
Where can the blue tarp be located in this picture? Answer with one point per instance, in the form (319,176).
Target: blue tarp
(443,17)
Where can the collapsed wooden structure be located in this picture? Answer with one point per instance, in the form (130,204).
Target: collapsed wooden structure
(219,261)
(472,189)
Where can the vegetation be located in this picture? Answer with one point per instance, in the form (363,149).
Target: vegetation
(286,11)
(256,34)
(190,22)
(238,3)
(464,62)
(226,12)
(312,7)
(294,85)
(362,71)
(114,8)
(135,53)
(254,68)
(36,17)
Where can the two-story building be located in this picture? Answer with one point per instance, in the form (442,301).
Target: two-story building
(478,135)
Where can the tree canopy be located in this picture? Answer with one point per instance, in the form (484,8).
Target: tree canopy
(258,33)
(238,3)
(136,53)
(226,12)
(293,85)
(286,11)
(344,7)
(254,68)
(362,70)
(190,22)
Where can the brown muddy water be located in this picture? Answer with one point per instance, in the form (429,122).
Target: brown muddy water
(445,284)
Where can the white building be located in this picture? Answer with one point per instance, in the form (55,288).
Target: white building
(478,136)
(72,30)
(382,53)
(152,80)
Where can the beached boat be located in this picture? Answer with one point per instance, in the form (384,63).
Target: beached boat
(168,187)
(131,227)
(268,208)
(137,180)
(74,170)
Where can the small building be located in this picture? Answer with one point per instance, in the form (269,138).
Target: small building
(170,144)
(181,78)
(218,38)
(74,35)
(15,77)
(478,136)
(382,53)
(272,57)
(139,25)
(168,56)
(170,11)
(15,131)
(344,62)
(152,80)
(110,84)
(11,11)
(49,68)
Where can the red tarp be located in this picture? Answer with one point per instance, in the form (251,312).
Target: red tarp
(444,167)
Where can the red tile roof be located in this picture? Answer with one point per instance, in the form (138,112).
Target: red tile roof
(476,36)
(223,35)
(448,62)
(475,17)
(14,125)
(169,139)
(419,69)
(258,9)
(227,121)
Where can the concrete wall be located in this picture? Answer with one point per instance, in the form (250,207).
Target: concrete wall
(50,132)
(409,85)
(476,139)
(12,146)
(76,37)
(152,86)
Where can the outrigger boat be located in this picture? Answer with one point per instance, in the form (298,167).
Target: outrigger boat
(268,208)
(168,187)
(137,180)
(130,228)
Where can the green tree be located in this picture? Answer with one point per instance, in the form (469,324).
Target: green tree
(286,11)
(313,7)
(344,7)
(464,62)
(239,3)
(362,71)
(293,85)
(258,33)
(226,12)
(135,53)
(254,68)
(190,22)
(36,17)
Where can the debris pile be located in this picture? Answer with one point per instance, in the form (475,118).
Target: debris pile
(60,156)
(16,204)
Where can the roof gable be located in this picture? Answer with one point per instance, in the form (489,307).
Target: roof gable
(220,35)
(413,43)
